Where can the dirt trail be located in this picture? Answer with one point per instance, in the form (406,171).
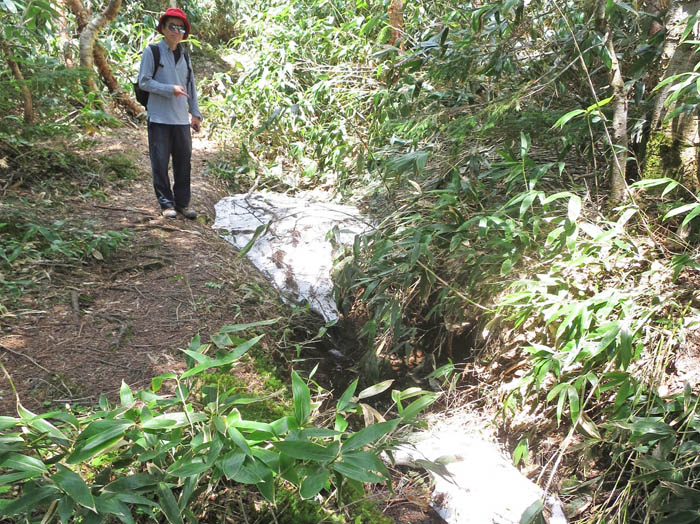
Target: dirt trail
(91,326)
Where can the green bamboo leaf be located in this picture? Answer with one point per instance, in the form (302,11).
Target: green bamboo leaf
(560,404)
(6,480)
(574,210)
(194,466)
(695,212)
(653,182)
(355,473)
(74,486)
(533,514)
(168,504)
(43,426)
(680,210)
(131,483)
(125,395)
(173,420)
(240,441)
(568,116)
(524,144)
(304,450)
(65,510)
(97,437)
(33,498)
(345,398)
(231,357)
(595,107)
(260,230)
(314,483)
(375,390)
(555,391)
(23,463)
(574,403)
(366,460)
(234,328)
(302,399)
(8,422)
(10,6)
(370,434)
(112,505)
(417,406)
(231,463)
(252,472)
(157,382)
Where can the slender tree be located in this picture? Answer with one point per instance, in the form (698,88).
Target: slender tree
(620,93)
(19,77)
(92,54)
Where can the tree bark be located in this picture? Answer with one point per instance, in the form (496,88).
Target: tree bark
(120,97)
(674,58)
(19,77)
(672,145)
(619,140)
(618,185)
(87,42)
(99,58)
(395,13)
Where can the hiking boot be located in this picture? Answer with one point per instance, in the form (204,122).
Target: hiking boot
(187,212)
(169,212)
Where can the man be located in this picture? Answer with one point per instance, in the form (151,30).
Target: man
(172,99)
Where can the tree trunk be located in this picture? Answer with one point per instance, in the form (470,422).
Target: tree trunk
(87,42)
(100,60)
(19,77)
(618,185)
(121,98)
(671,147)
(395,13)
(675,58)
(619,139)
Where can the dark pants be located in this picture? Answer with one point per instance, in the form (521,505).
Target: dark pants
(165,141)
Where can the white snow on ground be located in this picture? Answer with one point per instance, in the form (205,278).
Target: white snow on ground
(293,250)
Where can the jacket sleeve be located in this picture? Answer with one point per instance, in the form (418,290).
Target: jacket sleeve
(192,92)
(146,81)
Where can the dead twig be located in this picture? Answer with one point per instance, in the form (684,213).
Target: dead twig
(126,209)
(112,364)
(164,228)
(30,359)
(74,300)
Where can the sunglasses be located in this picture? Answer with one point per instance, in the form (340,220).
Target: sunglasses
(177,28)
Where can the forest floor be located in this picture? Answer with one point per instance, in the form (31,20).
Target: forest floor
(86,327)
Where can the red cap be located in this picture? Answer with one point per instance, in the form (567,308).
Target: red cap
(174,13)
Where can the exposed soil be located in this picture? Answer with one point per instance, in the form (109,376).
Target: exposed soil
(90,327)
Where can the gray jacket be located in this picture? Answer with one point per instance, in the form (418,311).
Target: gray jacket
(163,106)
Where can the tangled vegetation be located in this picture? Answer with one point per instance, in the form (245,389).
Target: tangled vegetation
(531,169)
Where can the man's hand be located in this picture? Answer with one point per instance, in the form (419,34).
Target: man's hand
(196,124)
(180,91)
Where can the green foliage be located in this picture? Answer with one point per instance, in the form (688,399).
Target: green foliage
(24,244)
(299,105)
(155,453)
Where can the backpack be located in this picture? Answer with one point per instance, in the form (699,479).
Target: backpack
(141,95)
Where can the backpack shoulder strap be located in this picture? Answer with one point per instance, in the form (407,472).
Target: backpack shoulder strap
(189,68)
(155,50)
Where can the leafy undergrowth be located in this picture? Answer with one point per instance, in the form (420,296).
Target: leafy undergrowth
(157,454)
